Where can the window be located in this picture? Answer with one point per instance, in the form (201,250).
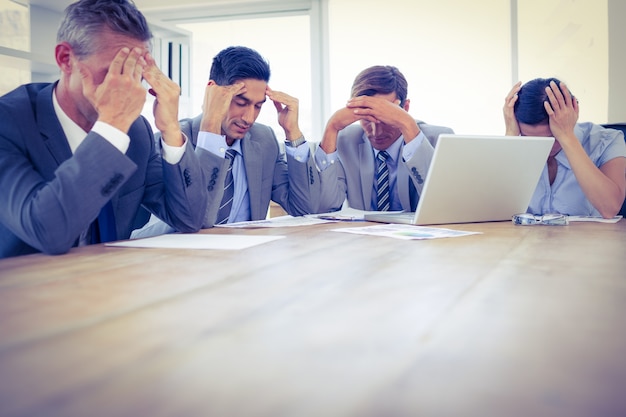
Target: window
(283,41)
(14,45)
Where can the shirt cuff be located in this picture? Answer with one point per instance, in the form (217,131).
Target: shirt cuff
(300,153)
(324,160)
(211,142)
(173,154)
(112,134)
(409,148)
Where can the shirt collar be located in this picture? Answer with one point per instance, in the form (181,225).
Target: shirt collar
(393,150)
(74,133)
(562,159)
(223,146)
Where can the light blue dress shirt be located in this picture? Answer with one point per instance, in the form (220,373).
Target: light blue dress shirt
(216,144)
(565,195)
(324,160)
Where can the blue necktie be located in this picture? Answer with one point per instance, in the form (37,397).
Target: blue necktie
(229,190)
(382,181)
(103,228)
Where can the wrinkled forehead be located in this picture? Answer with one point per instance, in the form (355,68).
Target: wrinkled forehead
(255,90)
(110,43)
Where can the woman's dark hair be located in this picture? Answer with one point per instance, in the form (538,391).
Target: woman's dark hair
(529,107)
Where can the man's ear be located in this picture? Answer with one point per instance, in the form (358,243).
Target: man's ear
(407,102)
(63,55)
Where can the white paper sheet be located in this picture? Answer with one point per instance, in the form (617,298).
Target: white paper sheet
(196,241)
(346,214)
(593,219)
(405,231)
(282,221)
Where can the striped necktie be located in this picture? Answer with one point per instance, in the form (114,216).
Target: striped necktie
(382,181)
(229,190)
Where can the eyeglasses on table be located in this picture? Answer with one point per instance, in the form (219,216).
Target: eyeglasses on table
(551,219)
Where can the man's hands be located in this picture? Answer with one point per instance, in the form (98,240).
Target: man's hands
(381,110)
(217,99)
(167,94)
(287,108)
(341,119)
(373,109)
(119,99)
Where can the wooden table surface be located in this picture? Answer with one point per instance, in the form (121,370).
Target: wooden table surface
(516,321)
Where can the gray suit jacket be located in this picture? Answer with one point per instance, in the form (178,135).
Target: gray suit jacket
(292,184)
(270,176)
(354,175)
(48,196)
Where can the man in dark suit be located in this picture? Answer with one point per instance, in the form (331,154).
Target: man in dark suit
(236,91)
(77,160)
(348,155)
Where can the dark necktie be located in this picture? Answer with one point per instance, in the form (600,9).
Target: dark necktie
(103,228)
(382,181)
(229,190)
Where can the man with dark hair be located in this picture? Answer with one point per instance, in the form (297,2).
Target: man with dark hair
(584,174)
(77,159)
(380,163)
(242,161)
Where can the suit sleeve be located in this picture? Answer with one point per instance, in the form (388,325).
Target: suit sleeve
(296,184)
(49,213)
(333,184)
(181,196)
(419,164)
(176,193)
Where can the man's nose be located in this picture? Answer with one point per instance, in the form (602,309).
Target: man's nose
(249,115)
(372,128)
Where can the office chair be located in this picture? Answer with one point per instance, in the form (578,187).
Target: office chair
(622,127)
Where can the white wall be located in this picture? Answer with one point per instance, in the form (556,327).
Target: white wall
(457,55)
(282,41)
(617,61)
(14,36)
(568,40)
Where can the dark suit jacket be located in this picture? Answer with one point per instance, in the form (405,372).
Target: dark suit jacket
(48,196)
(292,184)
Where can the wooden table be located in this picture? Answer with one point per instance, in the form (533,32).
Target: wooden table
(516,321)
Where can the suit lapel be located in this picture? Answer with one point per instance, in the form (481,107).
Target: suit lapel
(366,161)
(402,183)
(53,135)
(50,128)
(195,128)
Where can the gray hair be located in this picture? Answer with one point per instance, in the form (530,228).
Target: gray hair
(85,20)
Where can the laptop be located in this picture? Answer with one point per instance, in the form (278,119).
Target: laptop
(476,179)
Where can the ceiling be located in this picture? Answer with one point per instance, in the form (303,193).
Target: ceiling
(166,14)
(147,5)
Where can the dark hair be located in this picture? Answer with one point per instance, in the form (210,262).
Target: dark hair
(85,20)
(380,79)
(529,107)
(237,63)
